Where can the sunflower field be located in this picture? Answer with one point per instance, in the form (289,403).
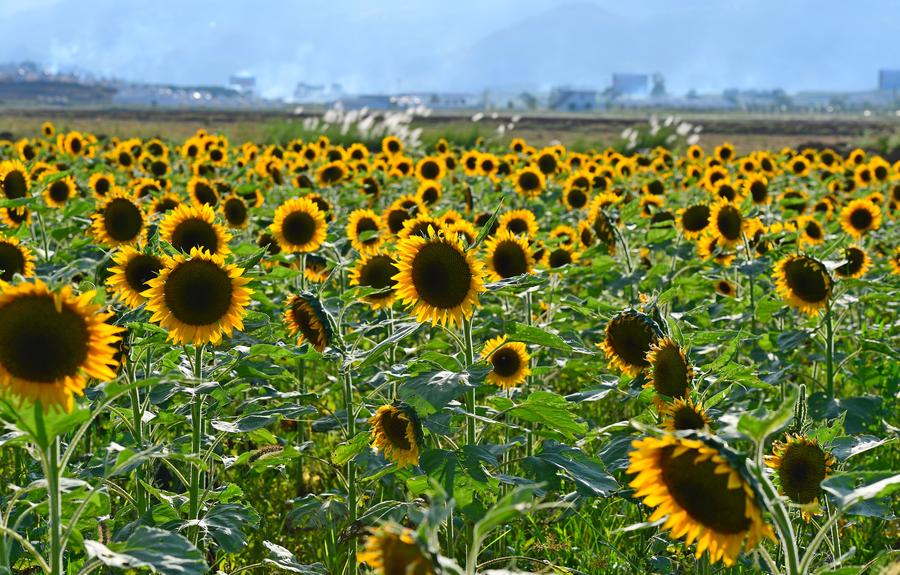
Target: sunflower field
(222,357)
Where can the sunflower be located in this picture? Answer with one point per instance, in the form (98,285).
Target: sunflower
(701,494)
(48,129)
(51,342)
(726,222)
(708,248)
(669,372)
(693,220)
(188,227)
(235,211)
(561,257)
(15,217)
(305,318)
(144,187)
(165,203)
(860,217)
(198,298)
(331,173)
(811,231)
(129,277)
(14,179)
(14,259)
(397,433)
(509,362)
(857,264)
(725,288)
(60,191)
(547,161)
(725,152)
(803,282)
(438,278)
(799,166)
(391,146)
(507,255)
(430,168)
(429,192)
(683,414)
(118,221)
(299,226)
(801,465)
(202,192)
(757,187)
(519,222)
(630,336)
(529,181)
(376,270)
(317,270)
(395,550)
(364,230)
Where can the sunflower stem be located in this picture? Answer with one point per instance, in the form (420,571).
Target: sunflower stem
(44,242)
(470,394)
(301,428)
(780,517)
(55,501)
(829,353)
(196,431)
(352,564)
(529,437)
(140,494)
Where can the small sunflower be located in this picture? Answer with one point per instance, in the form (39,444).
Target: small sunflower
(694,220)
(305,318)
(683,414)
(235,211)
(14,259)
(429,192)
(118,220)
(14,179)
(757,187)
(726,222)
(395,550)
(129,277)
(803,282)
(811,231)
(857,264)
(860,217)
(331,174)
(202,192)
(299,226)
(801,465)
(165,203)
(376,270)
(507,255)
(187,227)
(60,191)
(199,298)
(51,342)
(725,288)
(700,493)
(364,229)
(519,222)
(529,182)
(397,433)
(430,168)
(669,372)
(101,183)
(438,278)
(630,335)
(509,362)
(561,257)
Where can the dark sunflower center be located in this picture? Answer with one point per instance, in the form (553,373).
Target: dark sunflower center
(159,168)
(801,471)
(861,219)
(631,338)
(198,292)
(140,269)
(101,186)
(560,257)
(379,273)
(393,424)
(806,279)
(813,230)
(430,195)
(164,205)
(441,275)
(395,219)
(367,225)
(577,198)
(506,362)
(59,191)
(855,258)
(517,226)
(799,167)
(430,170)
(195,233)
(703,493)
(122,219)
(670,373)
(75,146)
(509,259)
(124,159)
(205,194)
(686,417)
(17,215)
(759,191)
(307,321)
(14,185)
(298,228)
(332,174)
(724,287)
(547,164)
(729,222)
(695,218)
(11,261)
(39,343)
(235,211)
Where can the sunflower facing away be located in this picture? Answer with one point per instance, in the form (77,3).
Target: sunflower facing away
(397,433)
(438,278)
(51,342)
(509,362)
(305,318)
(14,259)
(198,298)
(630,335)
(803,282)
(860,217)
(299,226)
(376,270)
(188,227)
(118,220)
(800,465)
(507,255)
(670,373)
(395,550)
(700,494)
(129,277)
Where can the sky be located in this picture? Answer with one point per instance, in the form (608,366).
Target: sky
(372,46)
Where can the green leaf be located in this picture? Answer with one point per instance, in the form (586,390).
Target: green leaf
(226,524)
(285,560)
(151,548)
(855,487)
(486,228)
(843,448)
(588,474)
(761,423)
(551,410)
(349,449)
(260,419)
(433,390)
(530,334)
(369,357)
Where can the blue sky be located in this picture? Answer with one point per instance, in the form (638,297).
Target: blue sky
(463,45)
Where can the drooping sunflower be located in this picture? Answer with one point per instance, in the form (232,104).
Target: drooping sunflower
(376,270)
(727,222)
(305,318)
(670,373)
(397,433)
(51,342)
(694,220)
(509,362)
(801,465)
(700,493)
(507,255)
(60,191)
(118,220)
(391,549)
(630,335)
(683,414)
(519,222)
(188,227)
(803,282)
(299,226)
(15,258)
(438,278)
(130,276)
(857,264)
(860,217)
(198,298)
(529,181)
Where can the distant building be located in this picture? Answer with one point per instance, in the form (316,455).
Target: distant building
(368,101)
(889,80)
(635,85)
(572,100)
(317,93)
(243,84)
